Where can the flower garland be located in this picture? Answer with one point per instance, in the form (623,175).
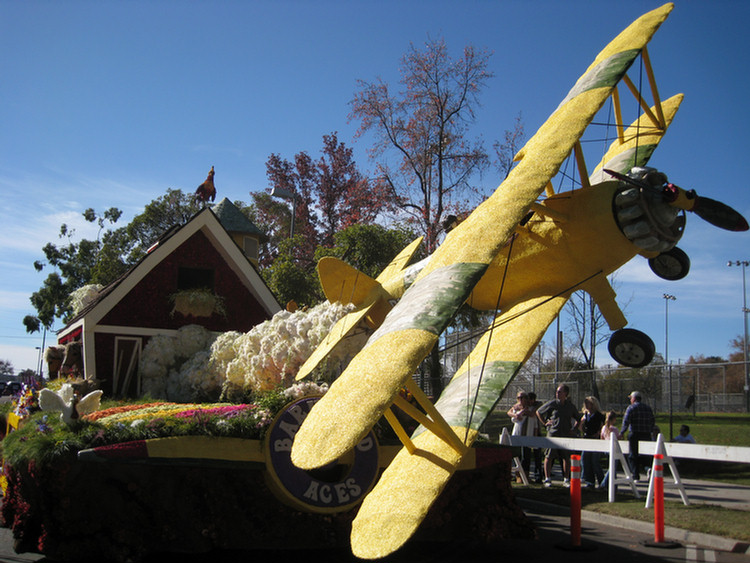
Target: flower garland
(226,411)
(148,410)
(94,416)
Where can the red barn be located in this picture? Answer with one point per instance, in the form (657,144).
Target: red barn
(195,274)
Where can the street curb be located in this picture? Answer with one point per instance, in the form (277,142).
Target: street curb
(674,534)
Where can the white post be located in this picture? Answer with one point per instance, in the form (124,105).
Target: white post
(612,475)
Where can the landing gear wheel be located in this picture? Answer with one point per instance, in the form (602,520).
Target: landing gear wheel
(631,348)
(671,265)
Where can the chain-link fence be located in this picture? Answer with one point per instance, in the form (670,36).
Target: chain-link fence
(693,388)
(705,387)
(679,388)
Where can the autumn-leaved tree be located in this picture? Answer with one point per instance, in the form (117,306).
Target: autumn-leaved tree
(330,194)
(344,196)
(425,125)
(506,150)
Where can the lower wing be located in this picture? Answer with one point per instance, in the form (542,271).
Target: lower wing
(393,510)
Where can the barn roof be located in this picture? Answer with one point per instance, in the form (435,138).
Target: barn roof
(204,219)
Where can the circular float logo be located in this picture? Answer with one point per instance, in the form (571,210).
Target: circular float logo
(336,487)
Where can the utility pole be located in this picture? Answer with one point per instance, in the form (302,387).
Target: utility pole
(667,299)
(744,263)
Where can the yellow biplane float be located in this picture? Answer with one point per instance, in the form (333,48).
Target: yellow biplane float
(515,255)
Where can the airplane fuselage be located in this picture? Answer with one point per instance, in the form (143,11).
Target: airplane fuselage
(575,245)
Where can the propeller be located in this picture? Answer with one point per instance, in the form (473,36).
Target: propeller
(719,214)
(714,212)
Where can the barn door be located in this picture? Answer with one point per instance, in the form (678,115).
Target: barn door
(126,381)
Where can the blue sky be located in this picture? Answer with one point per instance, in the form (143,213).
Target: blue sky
(111,103)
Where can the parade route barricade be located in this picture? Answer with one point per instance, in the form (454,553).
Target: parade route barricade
(615,449)
(618,449)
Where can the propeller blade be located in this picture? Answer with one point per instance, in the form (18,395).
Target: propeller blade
(719,214)
(628,179)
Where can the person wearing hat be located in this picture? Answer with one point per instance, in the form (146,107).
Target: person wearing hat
(639,420)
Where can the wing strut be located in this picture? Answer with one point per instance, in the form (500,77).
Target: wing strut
(433,420)
(641,101)
(618,115)
(655,114)
(654,90)
(581,161)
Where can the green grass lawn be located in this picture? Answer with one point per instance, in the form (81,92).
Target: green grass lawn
(726,429)
(718,429)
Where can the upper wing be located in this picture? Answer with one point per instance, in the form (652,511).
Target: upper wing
(89,403)
(51,401)
(393,510)
(359,397)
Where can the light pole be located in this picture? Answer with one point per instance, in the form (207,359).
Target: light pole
(290,196)
(667,299)
(744,263)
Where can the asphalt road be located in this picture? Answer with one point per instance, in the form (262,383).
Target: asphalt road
(599,542)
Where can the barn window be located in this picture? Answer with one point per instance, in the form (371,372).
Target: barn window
(195,278)
(251,247)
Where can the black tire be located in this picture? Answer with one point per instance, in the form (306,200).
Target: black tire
(671,265)
(631,348)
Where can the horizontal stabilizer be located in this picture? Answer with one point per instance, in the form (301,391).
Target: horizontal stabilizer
(400,262)
(343,283)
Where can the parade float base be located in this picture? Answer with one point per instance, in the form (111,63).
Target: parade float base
(74,510)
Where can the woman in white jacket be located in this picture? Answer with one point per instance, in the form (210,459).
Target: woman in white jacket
(525,423)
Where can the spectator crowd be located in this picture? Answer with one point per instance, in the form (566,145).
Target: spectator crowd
(560,418)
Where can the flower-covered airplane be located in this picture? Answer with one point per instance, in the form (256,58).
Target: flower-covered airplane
(514,255)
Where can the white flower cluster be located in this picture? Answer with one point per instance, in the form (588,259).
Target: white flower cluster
(271,353)
(195,365)
(303,389)
(82,297)
(175,368)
